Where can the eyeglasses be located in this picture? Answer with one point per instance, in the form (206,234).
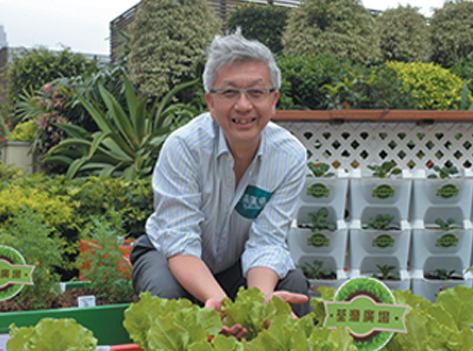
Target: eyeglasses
(253,94)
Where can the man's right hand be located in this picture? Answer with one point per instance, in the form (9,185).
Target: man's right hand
(236,330)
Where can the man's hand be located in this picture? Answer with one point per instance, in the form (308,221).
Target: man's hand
(288,297)
(237,330)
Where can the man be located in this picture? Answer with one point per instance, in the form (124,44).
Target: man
(226,186)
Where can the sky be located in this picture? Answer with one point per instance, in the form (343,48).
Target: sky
(83,25)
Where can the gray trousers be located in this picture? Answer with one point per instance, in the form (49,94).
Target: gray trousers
(151,273)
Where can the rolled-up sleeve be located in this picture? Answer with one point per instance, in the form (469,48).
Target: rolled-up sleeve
(174,226)
(267,245)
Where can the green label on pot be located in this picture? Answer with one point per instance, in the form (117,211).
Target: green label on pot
(383,241)
(447,191)
(318,240)
(14,273)
(318,190)
(367,308)
(447,240)
(383,191)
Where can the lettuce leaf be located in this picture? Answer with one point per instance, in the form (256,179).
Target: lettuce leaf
(51,334)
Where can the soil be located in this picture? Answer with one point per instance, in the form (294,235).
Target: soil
(331,276)
(436,277)
(65,300)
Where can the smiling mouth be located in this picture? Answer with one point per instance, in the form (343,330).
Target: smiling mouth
(243,121)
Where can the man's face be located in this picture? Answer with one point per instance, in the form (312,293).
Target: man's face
(242,119)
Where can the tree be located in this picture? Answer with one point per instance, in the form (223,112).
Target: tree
(168,42)
(404,34)
(263,23)
(342,27)
(452,32)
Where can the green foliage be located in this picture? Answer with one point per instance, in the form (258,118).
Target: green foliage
(443,172)
(444,274)
(9,172)
(452,33)
(380,222)
(463,68)
(105,279)
(52,335)
(31,69)
(404,34)
(125,145)
(320,170)
(28,233)
(386,170)
(385,271)
(168,41)
(318,220)
(341,27)
(23,131)
(315,270)
(263,23)
(449,224)
(155,323)
(303,78)
(434,87)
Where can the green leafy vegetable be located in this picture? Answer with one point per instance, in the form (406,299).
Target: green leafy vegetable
(52,335)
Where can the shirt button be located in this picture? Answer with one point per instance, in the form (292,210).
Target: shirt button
(219,261)
(229,159)
(229,180)
(224,236)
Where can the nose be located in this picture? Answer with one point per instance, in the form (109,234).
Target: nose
(243,103)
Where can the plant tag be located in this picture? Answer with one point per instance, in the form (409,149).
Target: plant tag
(86,301)
(14,273)
(367,308)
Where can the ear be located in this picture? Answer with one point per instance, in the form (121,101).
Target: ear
(209,98)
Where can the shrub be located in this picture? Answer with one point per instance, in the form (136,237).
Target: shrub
(168,40)
(28,233)
(31,69)
(464,69)
(452,33)
(303,78)
(263,23)
(23,131)
(404,34)
(341,27)
(434,87)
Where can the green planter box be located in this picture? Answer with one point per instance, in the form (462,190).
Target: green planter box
(106,322)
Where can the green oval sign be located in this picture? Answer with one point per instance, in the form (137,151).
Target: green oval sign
(318,240)
(383,241)
(447,240)
(14,273)
(447,191)
(383,191)
(318,190)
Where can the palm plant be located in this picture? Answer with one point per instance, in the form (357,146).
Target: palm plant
(124,145)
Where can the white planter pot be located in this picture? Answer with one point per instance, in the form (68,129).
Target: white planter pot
(18,153)
(330,193)
(433,198)
(367,248)
(371,196)
(330,246)
(436,248)
(430,288)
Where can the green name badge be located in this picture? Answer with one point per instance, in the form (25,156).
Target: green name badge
(252,202)
(367,308)
(14,273)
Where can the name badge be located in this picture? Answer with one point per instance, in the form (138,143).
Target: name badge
(252,202)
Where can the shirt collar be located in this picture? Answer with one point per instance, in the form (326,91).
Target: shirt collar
(222,147)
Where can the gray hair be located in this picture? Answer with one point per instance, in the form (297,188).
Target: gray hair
(234,47)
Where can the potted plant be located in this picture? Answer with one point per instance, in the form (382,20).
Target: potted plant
(437,252)
(318,236)
(443,191)
(381,187)
(325,188)
(383,241)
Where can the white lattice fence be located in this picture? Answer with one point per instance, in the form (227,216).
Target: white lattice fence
(358,144)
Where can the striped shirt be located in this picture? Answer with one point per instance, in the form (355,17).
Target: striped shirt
(199,212)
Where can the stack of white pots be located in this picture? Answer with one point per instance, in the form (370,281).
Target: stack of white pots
(330,246)
(371,196)
(433,248)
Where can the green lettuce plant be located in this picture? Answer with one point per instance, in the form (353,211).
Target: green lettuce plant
(386,170)
(443,172)
(125,145)
(318,220)
(52,335)
(449,224)
(380,222)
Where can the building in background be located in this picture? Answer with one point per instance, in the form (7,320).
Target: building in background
(3,37)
